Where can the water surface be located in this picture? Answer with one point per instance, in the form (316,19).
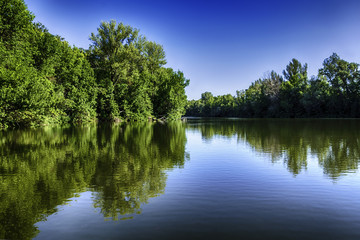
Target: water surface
(204,179)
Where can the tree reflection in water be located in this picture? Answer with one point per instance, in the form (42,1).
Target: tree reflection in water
(334,142)
(123,165)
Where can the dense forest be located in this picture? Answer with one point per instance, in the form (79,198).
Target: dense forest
(334,92)
(45,81)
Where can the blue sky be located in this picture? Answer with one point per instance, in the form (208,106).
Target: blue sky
(221,46)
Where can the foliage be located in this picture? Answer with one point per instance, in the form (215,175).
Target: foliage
(170,99)
(129,69)
(45,81)
(343,79)
(335,92)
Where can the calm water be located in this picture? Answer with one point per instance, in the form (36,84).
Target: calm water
(204,179)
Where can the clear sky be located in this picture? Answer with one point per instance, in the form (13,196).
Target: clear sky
(221,46)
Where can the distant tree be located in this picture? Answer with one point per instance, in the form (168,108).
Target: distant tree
(335,92)
(207,99)
(343,78)
(316,98)
(292,90)
(271,85)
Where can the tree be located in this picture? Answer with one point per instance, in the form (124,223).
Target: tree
(109,56)
(108,45)
(343,78)
(292,90)
(207,99)
(25,93)
(43,80)
(132,81)
(316,98)
(170,100)
(271,85)
(15,22)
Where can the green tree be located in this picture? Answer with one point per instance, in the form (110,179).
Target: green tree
(317,97)
(117,57)
(133,84)
(25,94)
(109,52)
(270,90)
(15,22)
(343,78)
(170,99)
(43,80)
(293,89)
(75,78)
(207,98)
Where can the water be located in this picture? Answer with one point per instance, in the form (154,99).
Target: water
(204,179)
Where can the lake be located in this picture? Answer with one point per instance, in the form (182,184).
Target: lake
(203,179)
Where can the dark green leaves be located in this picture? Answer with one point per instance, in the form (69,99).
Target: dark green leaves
(45,81)
(335,92)
(129,69)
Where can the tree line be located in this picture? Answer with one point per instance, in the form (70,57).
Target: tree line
(45,81)
(334,92)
